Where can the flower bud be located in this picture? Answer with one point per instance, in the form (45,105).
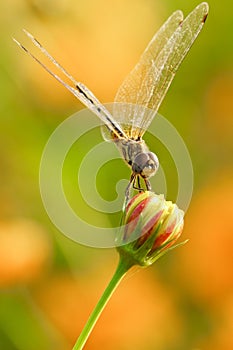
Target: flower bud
(151,225)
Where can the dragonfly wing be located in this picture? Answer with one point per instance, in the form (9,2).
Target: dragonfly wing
(149,81)
(135,91)
(174,52)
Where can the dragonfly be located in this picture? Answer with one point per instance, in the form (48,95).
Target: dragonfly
(140,95)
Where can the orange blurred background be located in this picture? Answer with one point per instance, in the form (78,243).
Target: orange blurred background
(48,283)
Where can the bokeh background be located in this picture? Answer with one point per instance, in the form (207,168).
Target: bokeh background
(48,283)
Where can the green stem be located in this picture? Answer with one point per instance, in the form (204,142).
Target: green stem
(122,268)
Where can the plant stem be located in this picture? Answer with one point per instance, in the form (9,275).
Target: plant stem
(122,268)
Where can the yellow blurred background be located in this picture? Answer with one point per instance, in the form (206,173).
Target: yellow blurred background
(49,284)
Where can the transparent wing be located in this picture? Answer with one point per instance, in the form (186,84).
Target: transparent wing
(78,89)
(149,81)
(135,90)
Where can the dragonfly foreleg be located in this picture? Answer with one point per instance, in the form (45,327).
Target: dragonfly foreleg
(136,183)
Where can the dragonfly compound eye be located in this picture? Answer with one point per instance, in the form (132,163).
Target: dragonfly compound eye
(145,164)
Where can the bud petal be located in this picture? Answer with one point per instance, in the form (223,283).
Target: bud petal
(151,226)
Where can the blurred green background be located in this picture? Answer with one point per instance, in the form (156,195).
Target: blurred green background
(49,284)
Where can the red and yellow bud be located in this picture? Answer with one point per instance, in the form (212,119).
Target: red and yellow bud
(151,226)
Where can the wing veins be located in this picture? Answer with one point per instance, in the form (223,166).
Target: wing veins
(157,68)
(177,41)
(130,90)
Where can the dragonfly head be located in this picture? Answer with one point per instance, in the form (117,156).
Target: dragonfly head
(145,164)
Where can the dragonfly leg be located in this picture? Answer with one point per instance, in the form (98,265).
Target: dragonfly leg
(148,185)
(139,185)
(131,181)
(136,183)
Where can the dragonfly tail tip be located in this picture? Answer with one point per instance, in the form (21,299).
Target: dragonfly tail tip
(19,44)
(204,18)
